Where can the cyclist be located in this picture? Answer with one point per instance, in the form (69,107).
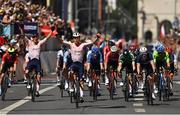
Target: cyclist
(34,47)
(127,60)
(145,61)
(9,62)
(95,62)
(67,61)
(76,49)
(161,58)
(111,60)
(173,65)
(59,64)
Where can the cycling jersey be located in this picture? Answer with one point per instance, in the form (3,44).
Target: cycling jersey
(10,57)
(112,59)
(34,50)
(126,59)
(77,51)
(95,60)
(9,61)
(67,58)
(161,57)
(60,56)
(106,50)
(144,58)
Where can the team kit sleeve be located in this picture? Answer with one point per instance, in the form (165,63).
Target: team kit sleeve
(89,58)
(101,57)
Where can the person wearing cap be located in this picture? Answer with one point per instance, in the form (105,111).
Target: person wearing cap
(111,60)
(127,60)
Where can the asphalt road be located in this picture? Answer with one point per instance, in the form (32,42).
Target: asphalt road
(50,102)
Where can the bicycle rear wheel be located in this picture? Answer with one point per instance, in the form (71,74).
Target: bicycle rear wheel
(77,94)
(95,90)
(126,92)
(4,86)
(149,93)
(168,81)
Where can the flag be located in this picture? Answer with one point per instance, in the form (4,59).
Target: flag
(46,30)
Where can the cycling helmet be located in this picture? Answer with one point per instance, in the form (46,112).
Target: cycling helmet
(143,50)
(13,41)
(76,34)
(4,48)
(158,44)
(160,49)
(95,50)
(11,50)
(114,49)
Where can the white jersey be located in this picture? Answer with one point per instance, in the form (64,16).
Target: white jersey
(34,50)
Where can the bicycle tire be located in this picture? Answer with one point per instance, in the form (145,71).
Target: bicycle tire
(4,87)
(160,87)
(71,96)
(149,93)
(33,93)
(77,93)
(95,90)
(168,88)
(133,85)
(111,85)
(127,89)
(28,89)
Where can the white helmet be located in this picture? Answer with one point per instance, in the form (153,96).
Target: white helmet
(143,50)
(114,49)
(76,34)
(13,41)
(4,48)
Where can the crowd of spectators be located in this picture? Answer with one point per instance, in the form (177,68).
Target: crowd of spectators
(20,11)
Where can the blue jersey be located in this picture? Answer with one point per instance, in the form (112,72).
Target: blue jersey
(95,60)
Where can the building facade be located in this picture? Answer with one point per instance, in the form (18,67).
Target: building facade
(152,14)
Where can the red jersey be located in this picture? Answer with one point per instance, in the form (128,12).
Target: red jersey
(12,58)
(106,50)
(112,57)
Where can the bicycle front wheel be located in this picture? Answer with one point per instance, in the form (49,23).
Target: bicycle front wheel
(4,87)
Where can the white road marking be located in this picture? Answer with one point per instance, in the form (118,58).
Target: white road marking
(137,104)
(23,101)
(139,110)
(139,97)
(177,82)
(20,85)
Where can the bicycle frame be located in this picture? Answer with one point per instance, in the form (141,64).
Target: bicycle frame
(112,81)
